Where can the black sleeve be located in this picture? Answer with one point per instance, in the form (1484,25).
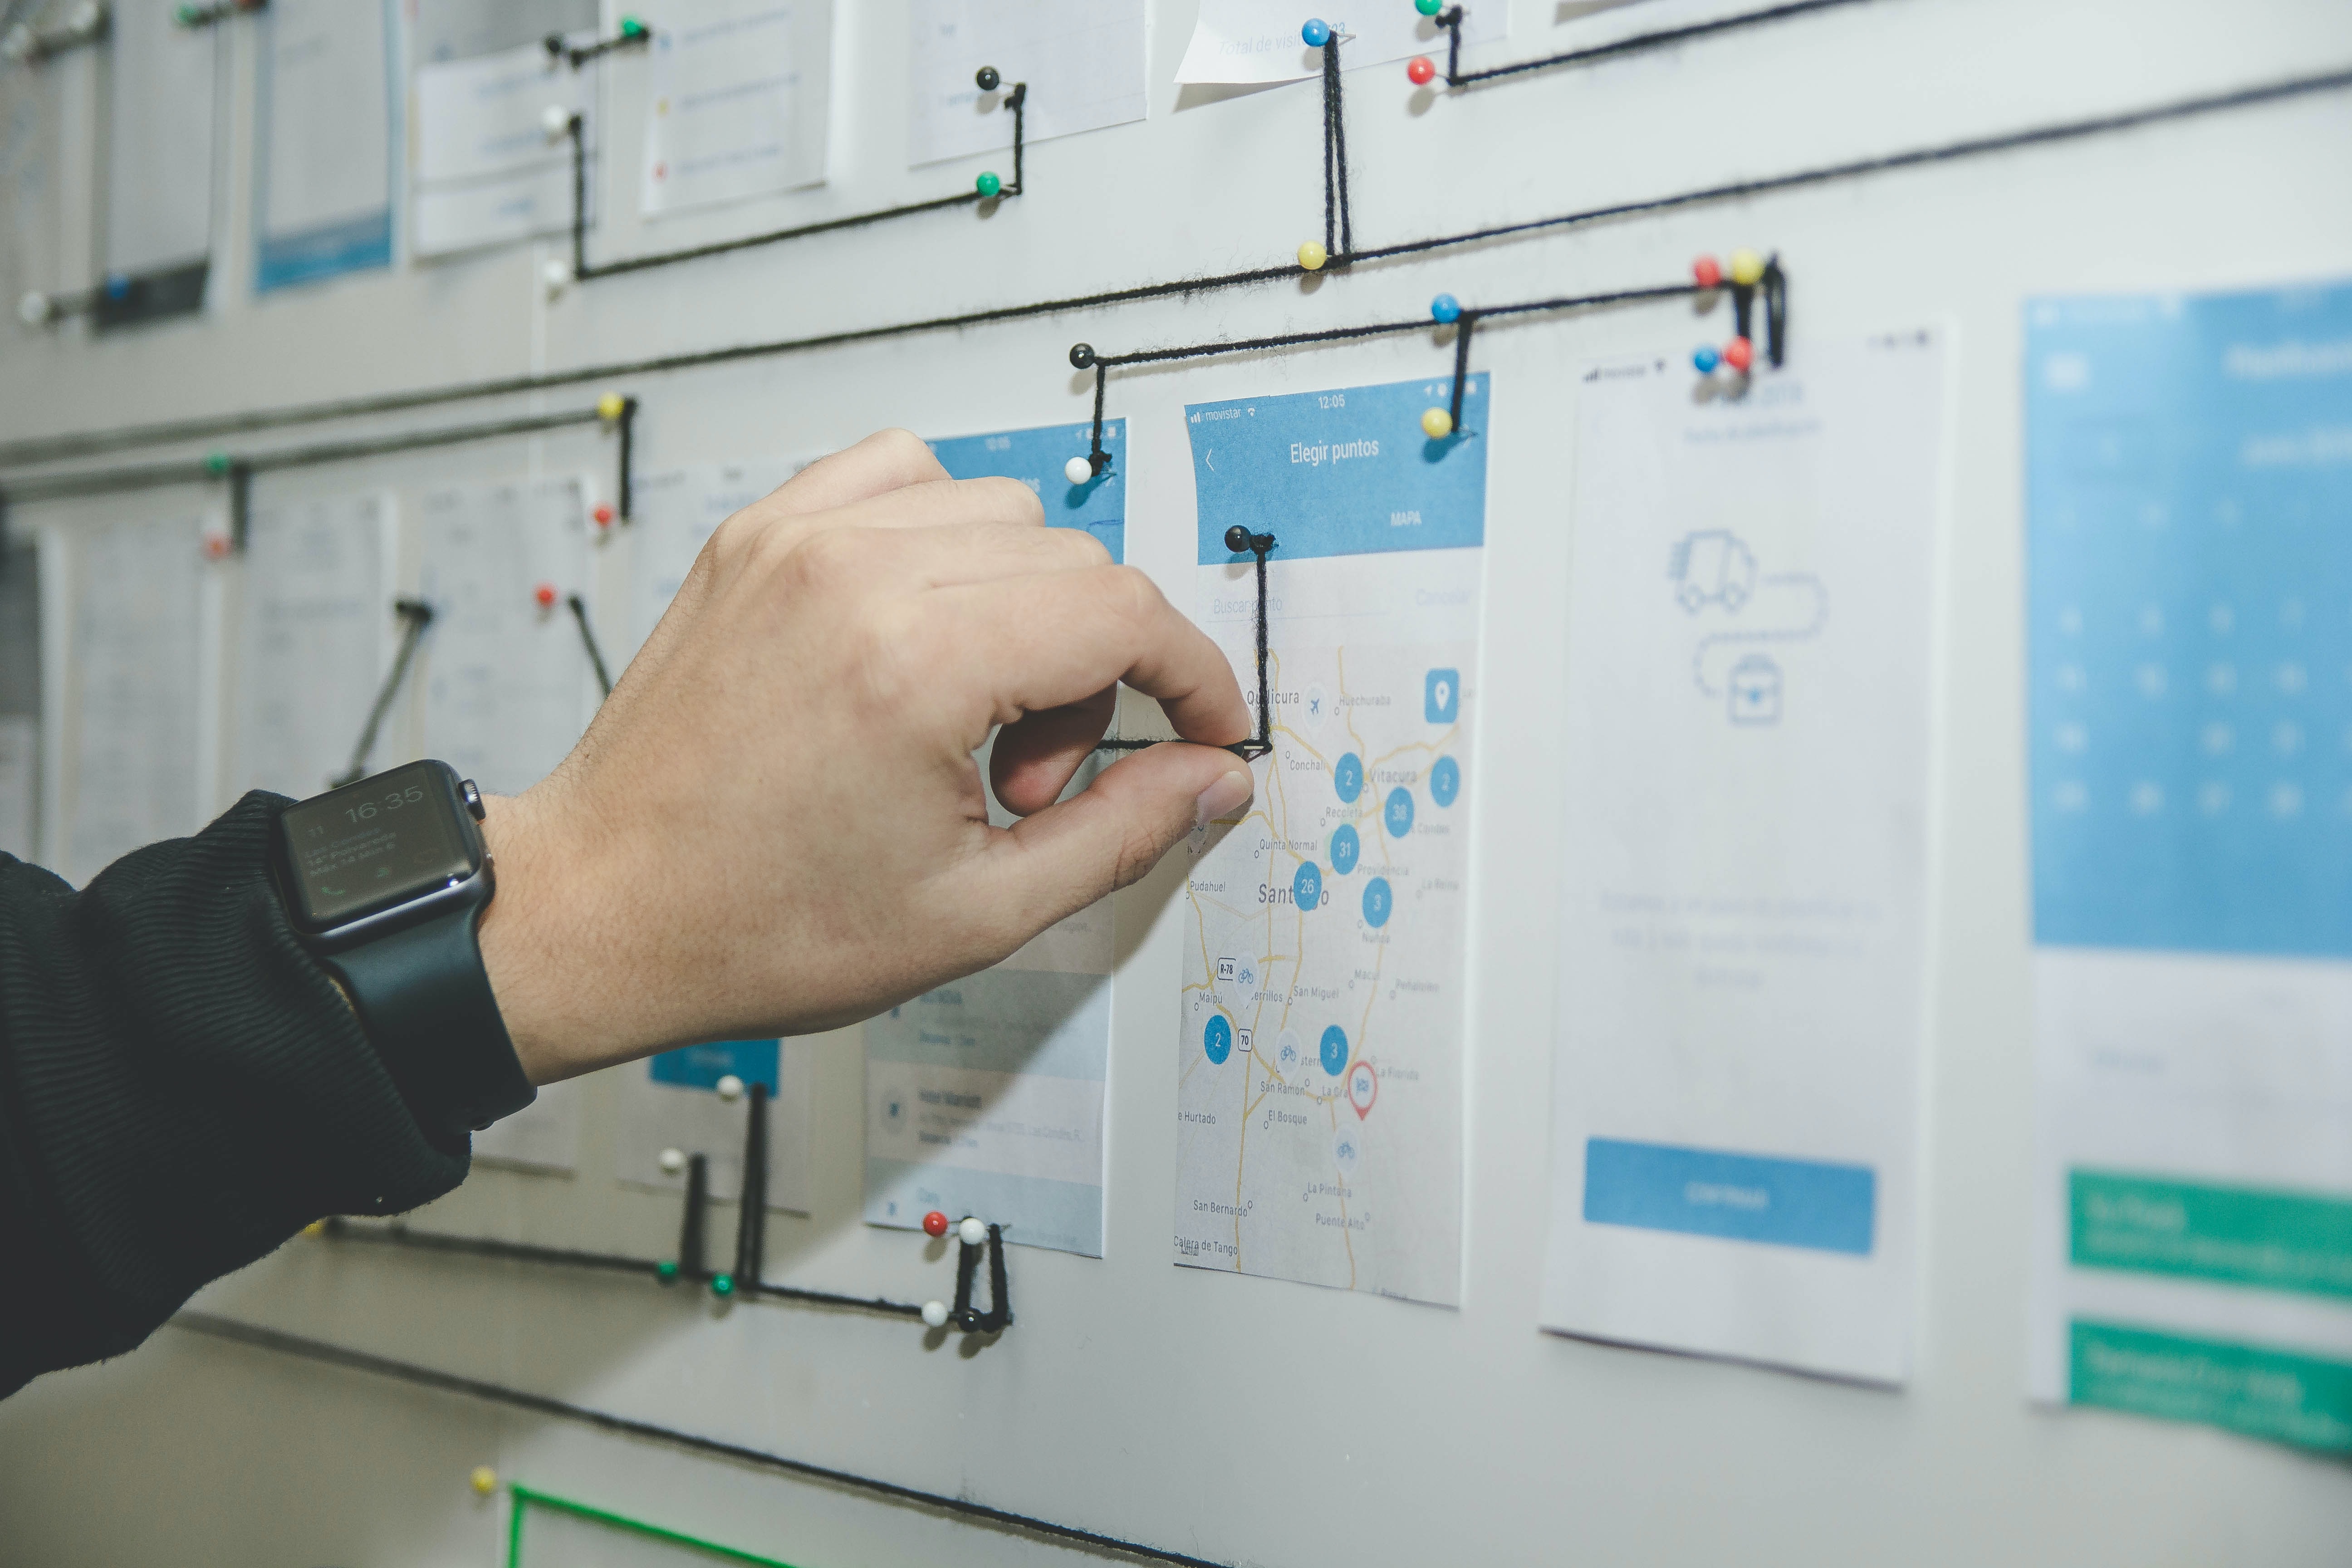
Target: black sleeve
(182,1088)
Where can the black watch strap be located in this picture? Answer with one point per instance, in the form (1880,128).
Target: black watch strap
(426,1002)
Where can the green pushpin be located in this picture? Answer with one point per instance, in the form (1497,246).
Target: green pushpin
(988,184)
(217,462)
(666,1271)
(632,28)
(188,15)
(722,1284)
(1429,7)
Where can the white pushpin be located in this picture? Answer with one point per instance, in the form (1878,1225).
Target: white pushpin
(730,1088)
(935,1314)
(971,1233)
(556,121)
(87,17)
(33,309)
(18,43)
(557,276)
(1078,471)
(673,1161)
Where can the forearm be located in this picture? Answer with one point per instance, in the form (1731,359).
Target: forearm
(181,1088)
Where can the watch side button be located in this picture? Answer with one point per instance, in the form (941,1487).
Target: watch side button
(473,798)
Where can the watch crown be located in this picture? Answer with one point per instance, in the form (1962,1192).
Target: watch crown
(473,798)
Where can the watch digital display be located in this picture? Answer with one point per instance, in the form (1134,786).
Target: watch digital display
(377,844)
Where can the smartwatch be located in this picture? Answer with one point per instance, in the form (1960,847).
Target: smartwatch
(386,881)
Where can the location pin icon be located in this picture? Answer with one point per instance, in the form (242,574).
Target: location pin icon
(1364,1087)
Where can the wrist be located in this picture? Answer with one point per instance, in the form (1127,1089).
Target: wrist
(555,989)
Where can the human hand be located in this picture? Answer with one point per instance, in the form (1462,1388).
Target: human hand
(776,824)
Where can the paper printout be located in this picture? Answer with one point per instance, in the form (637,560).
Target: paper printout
(1083,59)
(312,642)
(1319,1050)
(2189,474)
(137,631)
(159,187)
(325,134)
(676,509)
(1258,40)
(672,1102)
(486,170)
(736,101)
(1743,906)
(20,775)
(985,1097)
(508,685)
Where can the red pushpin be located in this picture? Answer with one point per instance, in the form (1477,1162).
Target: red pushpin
(1420,70)
(1706,272)
(1739,354)
(1364,1087)
(602,514)
(216,546)
(545,594)
(935,1223)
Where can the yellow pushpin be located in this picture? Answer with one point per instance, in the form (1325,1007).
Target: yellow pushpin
(485,1481)
(1312,255)
(1437,424)
(316,1227)
(611,406)
(1746,267)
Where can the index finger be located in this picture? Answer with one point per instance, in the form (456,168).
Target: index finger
(1051,640)
(884,461)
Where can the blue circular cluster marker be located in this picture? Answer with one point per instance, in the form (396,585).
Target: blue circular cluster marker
(1217,1039)
(1348,776)
(1444,781)
(1335,1050)
(1377,902)
(1446,307)
(1307,887)
(1706,359)
(1317,32)
(1398,816)
(1345,848)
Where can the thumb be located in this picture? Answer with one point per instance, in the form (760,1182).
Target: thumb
(1071,854)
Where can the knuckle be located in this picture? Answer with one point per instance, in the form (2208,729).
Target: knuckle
(824,562)
(906,453)
(1132,593)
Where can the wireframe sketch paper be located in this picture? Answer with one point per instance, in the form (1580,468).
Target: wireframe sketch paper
(1320,1046)
(486,169)
(508,686)
(1743,937)
(159,187)
(1259,41)
(134,688)
(314,634)
(325,141)
(986,1097)
(737,100)
(676,511)
(1083,61)
(2188,472)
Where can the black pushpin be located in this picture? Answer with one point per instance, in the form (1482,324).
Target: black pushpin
(987,79)
(1237,540)
(1082,356)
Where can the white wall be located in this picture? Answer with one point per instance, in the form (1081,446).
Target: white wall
(1245,1419)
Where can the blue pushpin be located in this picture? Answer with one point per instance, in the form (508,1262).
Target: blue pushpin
(1317,32)
(1446,307)
(1706,359)
(118,286)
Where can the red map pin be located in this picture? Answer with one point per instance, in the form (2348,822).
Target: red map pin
(1364,1087)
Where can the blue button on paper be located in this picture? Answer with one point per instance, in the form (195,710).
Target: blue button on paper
(701,1067)
(1441,696)
(1741,1197)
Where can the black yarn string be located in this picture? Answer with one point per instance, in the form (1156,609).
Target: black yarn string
(415,614)
(254,1336)
(1336,157)
(751,1211)
(558,49)
(49,448)
(626,428)
(1016,99)
(1639,43)
(1463,326)
(692,1264)
(1330,162)
(578,607)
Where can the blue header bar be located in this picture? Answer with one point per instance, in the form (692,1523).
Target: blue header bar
(1345,472)
(1036,458)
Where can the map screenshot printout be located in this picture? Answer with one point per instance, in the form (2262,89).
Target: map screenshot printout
(1320,1053)
(1743,924)
(2188,612)
(985,1097)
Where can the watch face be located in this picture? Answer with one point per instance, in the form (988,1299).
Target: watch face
(377,844)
